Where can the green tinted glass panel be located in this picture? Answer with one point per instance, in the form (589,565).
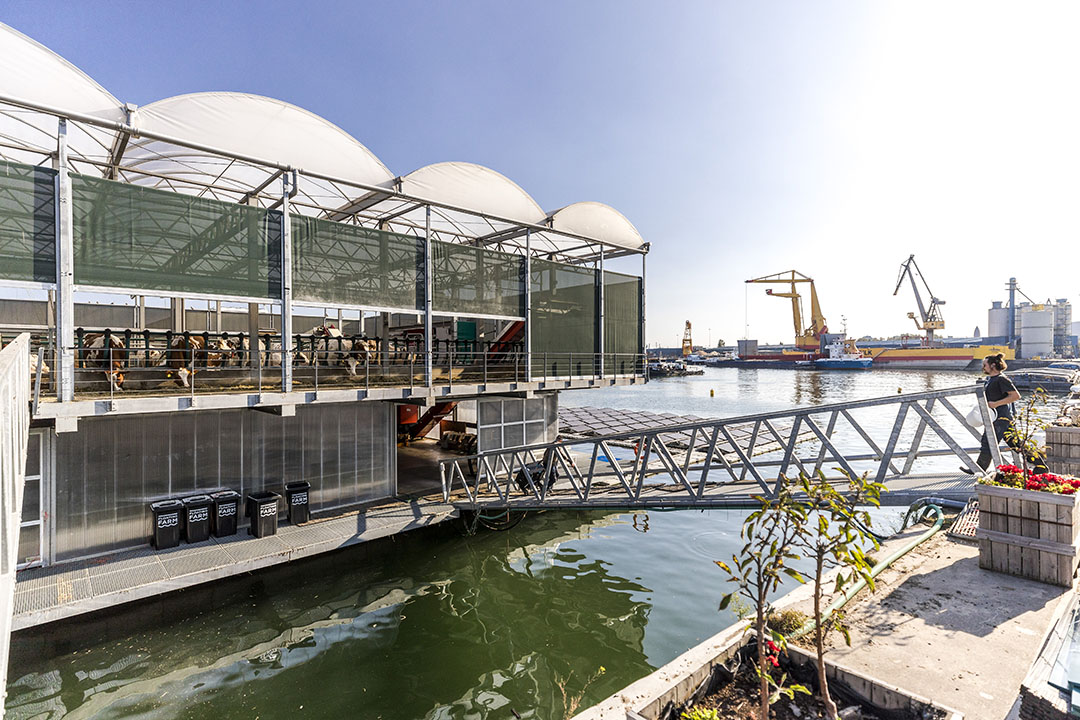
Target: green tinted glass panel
(563,319)
(622,322)
(134,237)
(342,264)
(475,281)
(27,222)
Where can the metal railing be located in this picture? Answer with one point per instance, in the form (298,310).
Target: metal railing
(14,435)
(150,362)
(696,459)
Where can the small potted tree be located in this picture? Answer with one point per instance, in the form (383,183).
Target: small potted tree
(834,537)
(769,534)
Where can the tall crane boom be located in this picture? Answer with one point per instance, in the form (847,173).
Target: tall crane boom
(808,337)
(930,316)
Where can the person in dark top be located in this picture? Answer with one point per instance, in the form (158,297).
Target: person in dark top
(1000,395)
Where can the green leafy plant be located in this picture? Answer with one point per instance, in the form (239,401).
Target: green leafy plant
(1022,433)
(699,713)
(833,537)
(768,535)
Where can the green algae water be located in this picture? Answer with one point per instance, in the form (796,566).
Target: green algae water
(435,623)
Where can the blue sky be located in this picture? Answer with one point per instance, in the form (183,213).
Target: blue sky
(741,139)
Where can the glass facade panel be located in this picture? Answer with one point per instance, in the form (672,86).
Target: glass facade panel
(338,263)
(510,422)
(129,236)
(112,468)
(27,223)
(33,454)
(29,544)
(622,322)
(476,281)
(31,505)
(564,300)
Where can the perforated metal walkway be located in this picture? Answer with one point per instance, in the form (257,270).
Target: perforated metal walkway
(48,594)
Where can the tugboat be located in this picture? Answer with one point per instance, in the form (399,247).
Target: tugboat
(843,355)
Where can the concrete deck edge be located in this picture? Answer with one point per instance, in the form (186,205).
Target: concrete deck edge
(105,601)
(675,682)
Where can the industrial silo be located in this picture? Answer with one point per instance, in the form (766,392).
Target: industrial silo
(998,321)
(1037,332)
(1062,326)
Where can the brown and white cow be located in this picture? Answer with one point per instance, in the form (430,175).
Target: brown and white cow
(111,357)
(185,354)
(339,350)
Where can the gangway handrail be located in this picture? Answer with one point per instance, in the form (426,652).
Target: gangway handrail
(713,439)
(15,381)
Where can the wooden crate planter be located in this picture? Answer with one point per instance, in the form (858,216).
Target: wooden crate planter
(1063,450)
(1028,533)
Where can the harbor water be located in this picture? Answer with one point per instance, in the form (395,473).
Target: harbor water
(556,613)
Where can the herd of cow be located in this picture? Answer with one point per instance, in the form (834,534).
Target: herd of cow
(187,354)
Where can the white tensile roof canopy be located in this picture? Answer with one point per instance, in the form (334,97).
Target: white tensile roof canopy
(234,146)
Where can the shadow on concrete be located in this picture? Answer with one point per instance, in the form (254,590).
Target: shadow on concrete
(960,597)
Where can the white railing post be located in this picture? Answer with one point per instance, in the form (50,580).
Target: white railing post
(65,271)
(600,312)
(528,306)
(428,275)
(288,189)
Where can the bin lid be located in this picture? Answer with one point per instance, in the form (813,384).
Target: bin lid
(298,485)
(169,504)
(263,496)
(197,500)
(225,495)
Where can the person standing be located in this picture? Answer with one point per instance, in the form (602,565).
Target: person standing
(1000,395)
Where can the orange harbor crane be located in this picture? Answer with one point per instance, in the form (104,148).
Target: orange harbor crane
(807,337)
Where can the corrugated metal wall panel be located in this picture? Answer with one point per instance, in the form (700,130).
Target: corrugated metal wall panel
(112,468)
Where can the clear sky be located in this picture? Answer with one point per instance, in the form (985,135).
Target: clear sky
(741,138)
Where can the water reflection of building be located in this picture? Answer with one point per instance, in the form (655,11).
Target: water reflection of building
(426,627)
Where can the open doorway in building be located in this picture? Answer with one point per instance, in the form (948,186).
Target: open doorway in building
(466,427)
(427,435)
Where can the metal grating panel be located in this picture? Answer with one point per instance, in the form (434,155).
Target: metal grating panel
(103,583)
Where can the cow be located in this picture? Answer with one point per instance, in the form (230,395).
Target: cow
(185,353)
(111,357)
(339,350)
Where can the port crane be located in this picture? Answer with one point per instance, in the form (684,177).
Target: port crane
(687,341)
(806,338)
(931,318)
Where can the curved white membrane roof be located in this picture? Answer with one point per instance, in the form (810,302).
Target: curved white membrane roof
(469,203)
(30,71)
(599,221)
(252,126)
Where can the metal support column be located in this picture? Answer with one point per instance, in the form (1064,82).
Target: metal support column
(600,309)
(288,189)
(427,296)
(528,305)
(641,341)
(65,271)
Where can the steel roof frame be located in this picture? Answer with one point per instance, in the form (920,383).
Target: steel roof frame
(271,166)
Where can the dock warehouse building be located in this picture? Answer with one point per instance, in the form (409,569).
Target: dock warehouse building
(226,291)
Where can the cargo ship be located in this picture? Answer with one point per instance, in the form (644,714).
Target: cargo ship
(936,358)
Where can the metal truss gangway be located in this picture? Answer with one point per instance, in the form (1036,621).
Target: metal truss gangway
(913,443)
